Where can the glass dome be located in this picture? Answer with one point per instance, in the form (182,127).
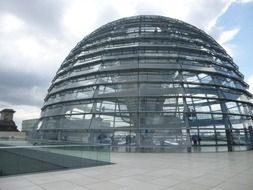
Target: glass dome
(148,81)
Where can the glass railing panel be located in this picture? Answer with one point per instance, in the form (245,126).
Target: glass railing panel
(27,159)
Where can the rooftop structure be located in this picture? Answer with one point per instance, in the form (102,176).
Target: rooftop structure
(148,81)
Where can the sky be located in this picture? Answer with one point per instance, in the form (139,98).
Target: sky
(36,36)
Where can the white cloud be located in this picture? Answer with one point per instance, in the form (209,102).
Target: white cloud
(250,82)
(11,23)
(244,1)
(23,48)
(228,35)
(225,37)
(79,17)
(230,48)
(223,9)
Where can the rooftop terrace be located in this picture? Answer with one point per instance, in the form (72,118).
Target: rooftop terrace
(148,171)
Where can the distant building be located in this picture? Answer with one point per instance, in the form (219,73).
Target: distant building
(6,120)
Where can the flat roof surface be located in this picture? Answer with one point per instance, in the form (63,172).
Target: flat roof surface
(148,171)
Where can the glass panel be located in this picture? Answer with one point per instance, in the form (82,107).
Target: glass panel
(221,134)
(204,116)
(19,160)
(104,121)
(122,120)
(190,77)
(207,136)
(232,107)
(204,78)
(107,106)
(215,107)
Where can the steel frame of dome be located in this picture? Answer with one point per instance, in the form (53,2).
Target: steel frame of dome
(148,81)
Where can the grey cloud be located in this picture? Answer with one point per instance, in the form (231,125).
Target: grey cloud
(201,17)
(22,88)
(22,85)
(107,14)
(44,14)
(21,79)
(22,96)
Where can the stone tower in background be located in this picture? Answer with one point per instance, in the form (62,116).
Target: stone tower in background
(6,120)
